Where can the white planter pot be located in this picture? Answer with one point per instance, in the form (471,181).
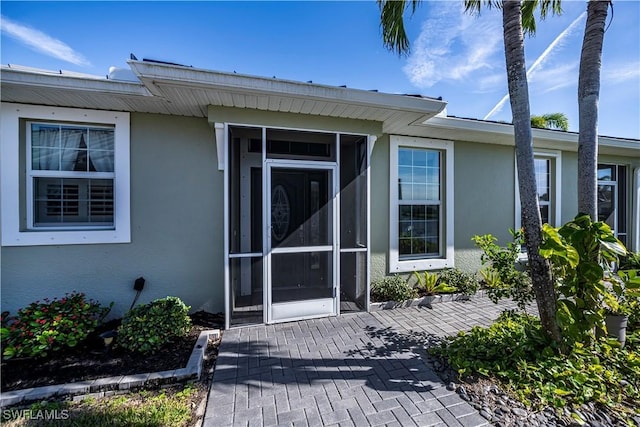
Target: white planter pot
(617,327)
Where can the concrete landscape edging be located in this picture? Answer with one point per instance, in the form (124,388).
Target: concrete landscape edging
(119,384)
(423,301)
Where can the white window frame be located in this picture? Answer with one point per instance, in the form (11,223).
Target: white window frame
(64,174)
(446,260)
(616,201)
(555,185)
(15,231)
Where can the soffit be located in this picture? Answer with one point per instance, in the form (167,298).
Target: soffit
(193,89)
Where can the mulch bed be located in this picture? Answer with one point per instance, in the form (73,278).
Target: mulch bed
(89,360)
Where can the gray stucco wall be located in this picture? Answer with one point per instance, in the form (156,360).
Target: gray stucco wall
(292,121)
(379,182)
(484,198)
(176,230)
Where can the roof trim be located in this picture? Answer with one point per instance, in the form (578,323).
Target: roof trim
(153,75)
(502,133)
(69,81)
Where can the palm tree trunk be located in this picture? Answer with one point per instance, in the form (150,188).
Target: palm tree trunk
(519,98)
(588,95)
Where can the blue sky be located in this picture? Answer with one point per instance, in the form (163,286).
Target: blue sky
(454,55)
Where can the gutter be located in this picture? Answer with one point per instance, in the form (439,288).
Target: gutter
(71,82)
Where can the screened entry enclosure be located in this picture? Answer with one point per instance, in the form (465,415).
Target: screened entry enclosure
(297,215)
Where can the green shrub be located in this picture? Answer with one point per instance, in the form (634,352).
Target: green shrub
(515,351)
(464,282)
(50,325)
(501,277)
(427,284)
(581,254)
(631,261)
(392,288)
(148,327)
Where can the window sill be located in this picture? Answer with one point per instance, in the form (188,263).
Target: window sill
(76,237)
(408,266)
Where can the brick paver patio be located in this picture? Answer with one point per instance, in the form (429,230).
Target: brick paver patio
(363,369)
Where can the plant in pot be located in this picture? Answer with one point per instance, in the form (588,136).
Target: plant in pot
(621,299)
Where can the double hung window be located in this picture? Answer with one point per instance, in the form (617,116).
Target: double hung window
(548,172)
(419,202)
(612,198)
(543,185)
(70,176)
(421,208)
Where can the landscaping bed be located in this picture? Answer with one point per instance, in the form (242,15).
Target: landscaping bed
(424,301)
(89,361)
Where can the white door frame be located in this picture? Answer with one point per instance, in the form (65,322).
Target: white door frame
(299,310)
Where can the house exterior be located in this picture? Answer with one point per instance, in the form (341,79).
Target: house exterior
(270,200)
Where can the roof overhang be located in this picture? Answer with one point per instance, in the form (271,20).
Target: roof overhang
(186,91)
(460,129)
(62,89)
(188,87)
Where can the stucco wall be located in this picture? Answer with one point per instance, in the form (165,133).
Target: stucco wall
(176,230)
(380,208)
(294,121)
(484,198)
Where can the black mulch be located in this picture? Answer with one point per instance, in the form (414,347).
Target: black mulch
(89,360)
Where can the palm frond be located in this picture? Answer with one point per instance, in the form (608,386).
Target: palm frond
(473,6)
(529,8)
(550,121)
(394,36)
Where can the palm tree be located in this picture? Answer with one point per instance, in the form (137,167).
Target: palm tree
(550,121)
(395,39)
(588,94)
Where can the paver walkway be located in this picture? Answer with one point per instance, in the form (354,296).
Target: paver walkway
(353,370)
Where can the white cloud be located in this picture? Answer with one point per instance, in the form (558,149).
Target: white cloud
(551,79)
(453,45)
(491,82)
(41,42)
(621,73)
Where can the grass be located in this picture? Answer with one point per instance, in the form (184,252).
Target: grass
(168,407)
